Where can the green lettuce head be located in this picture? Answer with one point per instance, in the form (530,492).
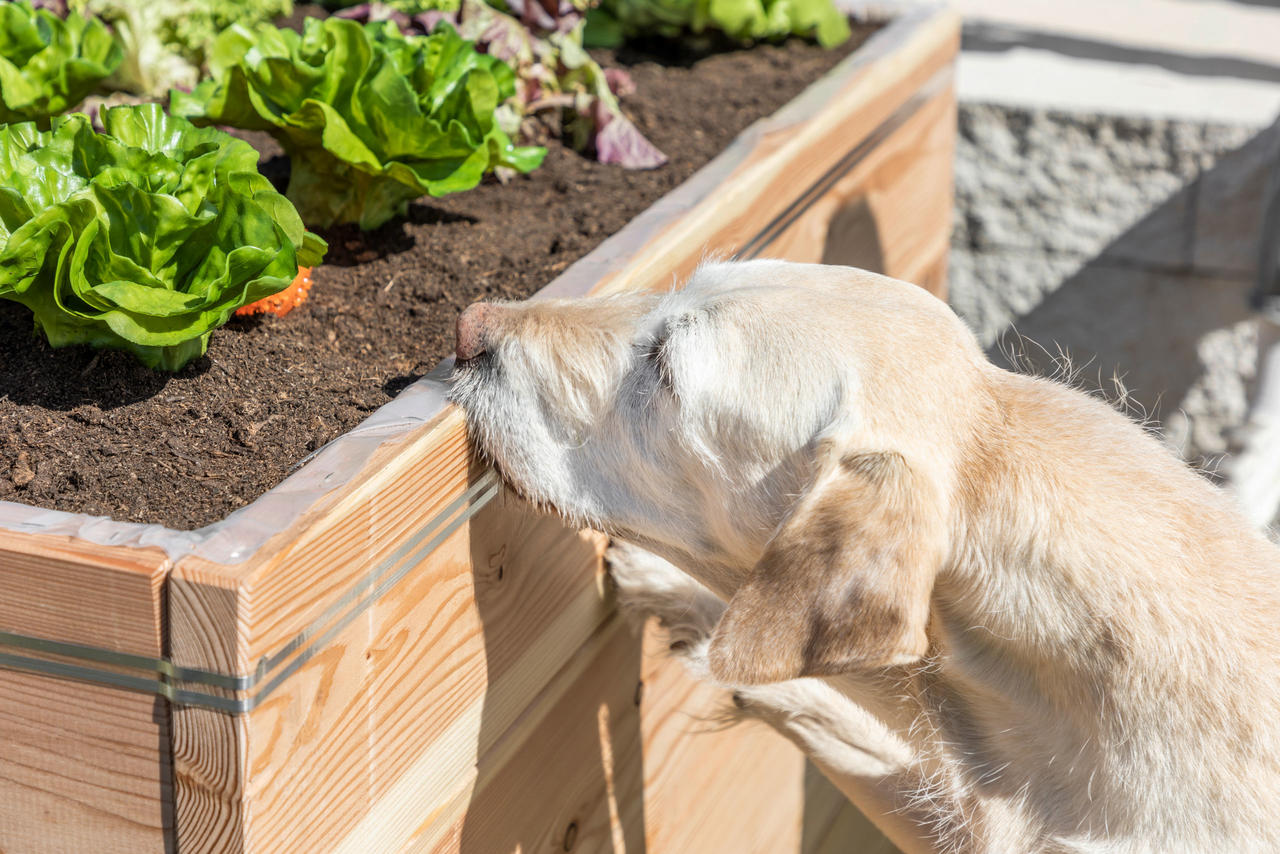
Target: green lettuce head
(746,20)
(144,238)
(370,119)
(48,64)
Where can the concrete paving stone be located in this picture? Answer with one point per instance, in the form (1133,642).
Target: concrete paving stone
(1180,342)
(991,289)
(1229,205)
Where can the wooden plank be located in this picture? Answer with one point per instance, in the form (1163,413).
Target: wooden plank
(227,618)
(850,832)
(623,753)
(63,589)
(83,767)
(832,824)
(891,213)
(741,788)
(449,660)
(792,160)
(206,614)
(447,650)
(568,777)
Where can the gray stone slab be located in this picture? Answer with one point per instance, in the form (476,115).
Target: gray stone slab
(1229,206)
(1182,344)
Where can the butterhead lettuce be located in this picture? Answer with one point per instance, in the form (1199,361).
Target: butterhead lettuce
(143,238)
(370,118)
(49,64)
(165,41)
(542,42)
(746,20)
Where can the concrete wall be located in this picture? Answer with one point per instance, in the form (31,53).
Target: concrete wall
(1129,243)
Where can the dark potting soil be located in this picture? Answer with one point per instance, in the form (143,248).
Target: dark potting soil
(95,432)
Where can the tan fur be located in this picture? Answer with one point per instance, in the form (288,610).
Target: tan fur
(1036,630)
(855,565)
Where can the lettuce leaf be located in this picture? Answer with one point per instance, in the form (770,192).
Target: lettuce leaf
(49,64)
(370,119)
(544,47)
(165,43)
(144,238)
(746,20)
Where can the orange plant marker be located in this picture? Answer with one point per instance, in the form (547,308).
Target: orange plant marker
(284,302)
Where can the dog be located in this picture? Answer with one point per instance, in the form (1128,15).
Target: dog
(998,614)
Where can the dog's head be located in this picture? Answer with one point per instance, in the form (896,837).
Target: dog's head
(787,432)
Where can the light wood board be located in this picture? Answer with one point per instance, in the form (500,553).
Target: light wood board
(83,767)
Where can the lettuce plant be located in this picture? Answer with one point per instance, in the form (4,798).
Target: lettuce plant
(746,20)
(49,64)
(166,42)
(543,44)
(144,238)
(370,119)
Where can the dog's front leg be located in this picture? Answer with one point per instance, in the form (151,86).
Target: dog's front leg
(853,743)
(866,759)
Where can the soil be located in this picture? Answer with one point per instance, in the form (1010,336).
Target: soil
(95,432)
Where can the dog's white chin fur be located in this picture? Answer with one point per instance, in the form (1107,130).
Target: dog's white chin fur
(1036,630)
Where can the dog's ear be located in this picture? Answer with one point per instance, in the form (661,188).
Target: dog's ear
(845,582)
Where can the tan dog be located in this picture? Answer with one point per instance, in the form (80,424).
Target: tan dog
(1025,625)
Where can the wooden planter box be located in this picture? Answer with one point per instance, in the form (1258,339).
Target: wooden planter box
(386,653)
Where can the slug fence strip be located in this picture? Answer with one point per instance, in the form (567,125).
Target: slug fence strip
(208,689)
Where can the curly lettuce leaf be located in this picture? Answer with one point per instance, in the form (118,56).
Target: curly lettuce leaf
(544,47)
(746,20)
(370,119)
(49,64)
(166,44)
(144,238)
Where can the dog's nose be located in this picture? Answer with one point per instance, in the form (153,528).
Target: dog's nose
(473,329)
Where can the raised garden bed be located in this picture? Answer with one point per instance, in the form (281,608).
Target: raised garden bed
(100,434)
(377,655)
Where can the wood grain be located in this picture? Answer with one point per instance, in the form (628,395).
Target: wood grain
(624,753)
(75,591)
(792,159)
(446,651)
(891,213)
(83,767)
(208,747)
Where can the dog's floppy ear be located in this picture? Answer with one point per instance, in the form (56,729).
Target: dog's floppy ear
(845,582)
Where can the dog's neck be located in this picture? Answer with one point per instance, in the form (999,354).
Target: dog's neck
(1072,600)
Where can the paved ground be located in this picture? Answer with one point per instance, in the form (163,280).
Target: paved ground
(1110,177)
(1123,242)
(1201,60)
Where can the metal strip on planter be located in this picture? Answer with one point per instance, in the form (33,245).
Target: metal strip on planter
(212,690)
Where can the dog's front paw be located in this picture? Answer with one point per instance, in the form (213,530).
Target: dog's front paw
(650,586)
